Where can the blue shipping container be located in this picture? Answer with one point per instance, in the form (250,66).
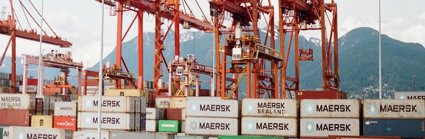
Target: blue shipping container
(405,128)
(143,121)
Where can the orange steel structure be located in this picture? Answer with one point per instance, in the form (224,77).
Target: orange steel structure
(251,57)
(8,27)
(300,15)
(161,9)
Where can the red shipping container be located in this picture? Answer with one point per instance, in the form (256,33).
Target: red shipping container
(65,122)
(14,117)
(32,81)
(92,82)
(320,95)
(47,91)
(173,114)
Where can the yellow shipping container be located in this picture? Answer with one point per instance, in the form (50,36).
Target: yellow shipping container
(178,102)
(42,121)
(126,92)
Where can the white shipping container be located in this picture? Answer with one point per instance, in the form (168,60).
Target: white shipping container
(409,95)
(178,102)
(269,107)
(322,127)
(20,132)
(111,121)
(211,126)
(91,134)
(212,108)
(154,114)
(394,109)
(325,108)
(30,89)
(109,104)
(65,109)
(151,125)
(287,127)
(162,102)
(15,101)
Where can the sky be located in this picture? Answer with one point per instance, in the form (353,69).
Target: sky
(79,21)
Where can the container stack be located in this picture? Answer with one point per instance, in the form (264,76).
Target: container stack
(15,109)
(324,117)
(31,86)
(118,113)
(271,117)
(19,132)
(211,116)
(65,116)
(404,118)
(153,115)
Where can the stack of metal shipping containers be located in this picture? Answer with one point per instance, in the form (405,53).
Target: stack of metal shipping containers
(118,112)
(19,132)
(211,116)
(15,109)
(404,118)
(324,117)
(153,115)
(174,115)
(65,115)
(270,117)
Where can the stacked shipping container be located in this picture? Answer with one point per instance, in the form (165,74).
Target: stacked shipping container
(324,117)
(404,118)
(65,115)
(273,117)
(15,109)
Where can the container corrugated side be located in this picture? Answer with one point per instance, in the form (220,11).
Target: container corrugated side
(15,117)
(152,125)
(211,126)
(212,108)
(123,92)
(287,127)
(325,108)
(405,128)
(323,127)
(91,134)
(409,95)
(269,107)
(162,102)
(169,126)
(394,109)
(65,122)
(140,135)
(15,101)
(111,121)
(109,104)
(154,113)
(178,102)
(189,137)
(42,121)
(65,109)
(18,132)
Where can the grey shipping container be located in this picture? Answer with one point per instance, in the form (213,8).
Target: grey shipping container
(140,135)
(405,128)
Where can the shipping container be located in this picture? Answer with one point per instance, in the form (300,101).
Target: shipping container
(249,137)
(65,109)
(189,137)
(405,128)
(174,114)
(30,89)
(142,121)
(42,121)
(162,102)
(15,101)
(169,126)
(155,113)
(211,126)
(151,125)
(20,132)
(49,102)
(409,95)
(326,108)
(1,132)
(65,122)
(183,126)
(287,127)
(125,92)
(323,127)
(269,107)
(178,102)
(118,104)
(363,137)
(140,135)
(91,134)
(111,121)
(212,108)
(15,117)
(394,109)
(320,95)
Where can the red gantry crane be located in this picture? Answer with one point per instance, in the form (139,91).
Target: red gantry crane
(9,27)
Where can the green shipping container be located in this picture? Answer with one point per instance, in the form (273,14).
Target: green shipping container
(169,126)
(249,137)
